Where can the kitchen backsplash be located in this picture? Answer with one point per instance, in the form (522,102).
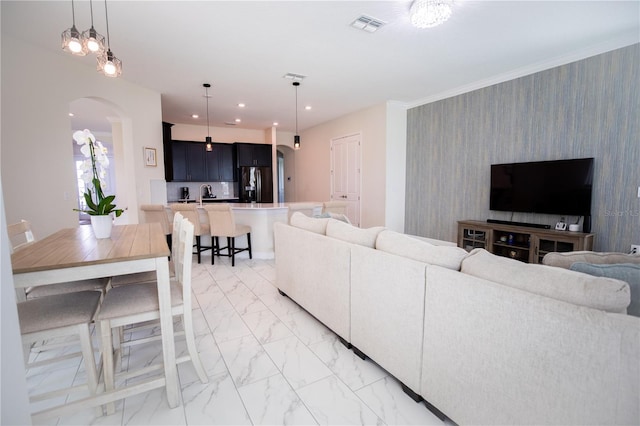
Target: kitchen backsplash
(219,189)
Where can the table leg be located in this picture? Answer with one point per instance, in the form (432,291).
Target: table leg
(166,327)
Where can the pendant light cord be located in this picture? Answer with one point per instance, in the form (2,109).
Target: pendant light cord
(73,13)
(106,17)
(206,95)
(91,8)
(297,107)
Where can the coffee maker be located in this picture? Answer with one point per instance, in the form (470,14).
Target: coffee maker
(184,193)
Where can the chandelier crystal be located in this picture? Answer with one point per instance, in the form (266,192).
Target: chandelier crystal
(429,13)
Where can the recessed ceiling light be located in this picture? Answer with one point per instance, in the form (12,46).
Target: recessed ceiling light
(195,116)
(241,105)
(308,107)
(275,123)
(71,114)
(238,120)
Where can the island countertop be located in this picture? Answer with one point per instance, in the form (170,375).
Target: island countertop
(260,217)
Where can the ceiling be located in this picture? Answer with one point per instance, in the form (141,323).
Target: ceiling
(244,48)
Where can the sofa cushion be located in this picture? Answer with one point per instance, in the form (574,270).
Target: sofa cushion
(420,250)
(564,260)
(562,284)
(628,272)
(302,221)
(352,234)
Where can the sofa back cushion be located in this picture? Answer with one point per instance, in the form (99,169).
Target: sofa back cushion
(420,250)
(302,221)
(562,284)
(352,234)
(627,272)
(565,260)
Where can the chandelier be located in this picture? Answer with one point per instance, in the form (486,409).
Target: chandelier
(429,13)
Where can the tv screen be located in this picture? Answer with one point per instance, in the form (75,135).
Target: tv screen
(555,187)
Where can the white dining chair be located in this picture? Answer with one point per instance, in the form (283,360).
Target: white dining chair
(21,236)
(222,223)
(136,304)
(55,317)
(149,276)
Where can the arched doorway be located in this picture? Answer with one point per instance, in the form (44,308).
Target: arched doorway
(286,174)
(104,120)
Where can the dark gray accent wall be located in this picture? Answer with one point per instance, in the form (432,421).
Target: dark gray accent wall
(589,108)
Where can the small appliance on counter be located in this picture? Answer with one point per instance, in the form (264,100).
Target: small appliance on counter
(184,193)
(207,192)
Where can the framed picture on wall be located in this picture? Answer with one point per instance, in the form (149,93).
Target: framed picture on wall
(150,157)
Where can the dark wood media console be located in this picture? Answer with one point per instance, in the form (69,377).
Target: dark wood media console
(523,243)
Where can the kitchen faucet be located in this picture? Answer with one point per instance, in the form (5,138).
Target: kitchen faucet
(209,192)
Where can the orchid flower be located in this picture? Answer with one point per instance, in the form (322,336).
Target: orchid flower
(94,173)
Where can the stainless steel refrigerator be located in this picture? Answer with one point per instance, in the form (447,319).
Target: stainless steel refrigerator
(256,184)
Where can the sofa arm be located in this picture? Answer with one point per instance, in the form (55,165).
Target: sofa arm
(565,260)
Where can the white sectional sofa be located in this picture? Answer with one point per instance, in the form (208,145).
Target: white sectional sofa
(483,339)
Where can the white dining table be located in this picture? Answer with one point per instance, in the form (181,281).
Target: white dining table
(74,254)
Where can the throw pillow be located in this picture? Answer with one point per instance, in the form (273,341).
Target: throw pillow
(566,259)
(581,289)
(352,234)
(420,250)
(621,271)
(337,216)
(312,224)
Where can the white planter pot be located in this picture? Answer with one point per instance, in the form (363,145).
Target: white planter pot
(102,226)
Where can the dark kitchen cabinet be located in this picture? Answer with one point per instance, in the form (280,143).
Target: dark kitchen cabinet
(252,154)
(166,149)
(189,161)
(221,163)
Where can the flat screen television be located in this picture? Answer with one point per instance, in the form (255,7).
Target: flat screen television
(554,187)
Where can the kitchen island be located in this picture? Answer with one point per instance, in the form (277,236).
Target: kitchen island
(260,217)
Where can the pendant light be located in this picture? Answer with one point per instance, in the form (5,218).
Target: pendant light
(108,64)
(71,41)
(91,40)
(206,95)
(296,138)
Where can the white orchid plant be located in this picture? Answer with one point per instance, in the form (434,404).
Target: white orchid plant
(94,174)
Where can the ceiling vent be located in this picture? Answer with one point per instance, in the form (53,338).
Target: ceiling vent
(294,77)
(368,24)
(229,123)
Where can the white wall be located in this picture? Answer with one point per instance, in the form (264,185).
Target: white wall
(36,151)
(376,125)
(189,132)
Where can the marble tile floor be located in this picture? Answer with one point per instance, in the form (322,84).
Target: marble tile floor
(269,363)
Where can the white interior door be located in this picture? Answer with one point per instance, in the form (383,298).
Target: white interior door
(345,174)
